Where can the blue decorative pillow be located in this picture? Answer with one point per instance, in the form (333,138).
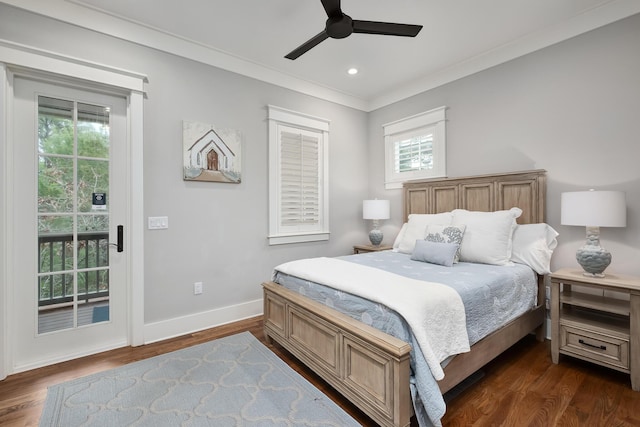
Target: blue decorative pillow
(446,234)
(435,253)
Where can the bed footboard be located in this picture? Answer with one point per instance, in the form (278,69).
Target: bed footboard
(367,366)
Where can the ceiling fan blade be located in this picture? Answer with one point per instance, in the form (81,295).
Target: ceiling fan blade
(386,28)
(308,45)
(332,7)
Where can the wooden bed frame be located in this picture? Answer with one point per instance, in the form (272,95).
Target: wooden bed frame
(370,367)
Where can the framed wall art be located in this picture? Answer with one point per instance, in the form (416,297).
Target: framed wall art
(211,154)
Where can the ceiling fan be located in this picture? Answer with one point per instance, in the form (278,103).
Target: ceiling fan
(339,26)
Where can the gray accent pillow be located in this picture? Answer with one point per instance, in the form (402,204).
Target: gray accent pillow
(435,253)
(446,234)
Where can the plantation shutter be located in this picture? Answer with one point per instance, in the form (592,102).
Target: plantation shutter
(413,151)
(299,185)
(298,177)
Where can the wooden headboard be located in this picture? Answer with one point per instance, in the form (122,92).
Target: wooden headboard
(488,193)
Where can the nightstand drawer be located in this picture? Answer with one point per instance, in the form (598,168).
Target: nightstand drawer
(598,348)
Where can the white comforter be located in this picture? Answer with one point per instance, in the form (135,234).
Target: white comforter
(434,311)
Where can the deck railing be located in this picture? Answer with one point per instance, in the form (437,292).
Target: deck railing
(55,256)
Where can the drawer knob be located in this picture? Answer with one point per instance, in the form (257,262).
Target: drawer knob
(600,347)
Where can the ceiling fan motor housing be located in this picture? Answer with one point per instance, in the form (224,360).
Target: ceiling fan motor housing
(339,27)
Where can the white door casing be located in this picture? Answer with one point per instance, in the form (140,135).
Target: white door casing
(22,60)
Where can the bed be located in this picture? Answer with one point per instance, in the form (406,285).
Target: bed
(372,368)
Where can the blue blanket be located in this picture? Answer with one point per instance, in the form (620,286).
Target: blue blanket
(492,296)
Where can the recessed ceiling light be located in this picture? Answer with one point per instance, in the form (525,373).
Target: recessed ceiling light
(352,71)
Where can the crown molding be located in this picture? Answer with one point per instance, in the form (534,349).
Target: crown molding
(77,13)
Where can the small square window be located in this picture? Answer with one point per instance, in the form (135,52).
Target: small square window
(415,148)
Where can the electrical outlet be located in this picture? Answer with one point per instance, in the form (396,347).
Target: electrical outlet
(197,288)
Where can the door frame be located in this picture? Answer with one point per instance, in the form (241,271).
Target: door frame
(18,59)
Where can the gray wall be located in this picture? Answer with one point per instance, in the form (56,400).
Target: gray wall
(572,109)
(217,232)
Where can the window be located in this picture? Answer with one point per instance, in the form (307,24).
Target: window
(415,148)
(298,177)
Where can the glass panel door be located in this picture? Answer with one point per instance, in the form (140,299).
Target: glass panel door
(73,214)
(69,284)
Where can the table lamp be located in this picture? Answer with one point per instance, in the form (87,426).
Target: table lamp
(594,209)
(376,210)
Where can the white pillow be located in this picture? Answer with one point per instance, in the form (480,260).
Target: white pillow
(417,226)
(487,236)
(533,245)
(396,243)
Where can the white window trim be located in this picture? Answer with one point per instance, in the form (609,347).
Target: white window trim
(437,119)
(279,116)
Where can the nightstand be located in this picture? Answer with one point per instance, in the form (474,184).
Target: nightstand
(361,249)
(595,327)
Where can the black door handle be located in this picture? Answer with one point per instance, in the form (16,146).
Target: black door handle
(120,244)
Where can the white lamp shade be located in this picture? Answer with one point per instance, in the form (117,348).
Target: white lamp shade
(376,209)
(594,208)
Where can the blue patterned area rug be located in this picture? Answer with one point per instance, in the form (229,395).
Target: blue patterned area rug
(232,381)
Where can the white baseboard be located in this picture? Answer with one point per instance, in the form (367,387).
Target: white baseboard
(183,325)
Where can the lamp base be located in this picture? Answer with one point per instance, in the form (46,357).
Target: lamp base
(596,275)
(375,236)
(593,258)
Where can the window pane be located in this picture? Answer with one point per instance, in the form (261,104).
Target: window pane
(55,224)
(93,177)
(93,131)
(55,319)
(56,286)
(96,223)
(414,154)
(55,308)
(90,283)
(93,250)
(55,184)
(55,252)
(99,312)
(55,126)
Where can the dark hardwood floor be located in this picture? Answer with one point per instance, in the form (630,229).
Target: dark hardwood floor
(520,388)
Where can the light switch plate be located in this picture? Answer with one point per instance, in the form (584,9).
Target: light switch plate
(197,288)
(158,222)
